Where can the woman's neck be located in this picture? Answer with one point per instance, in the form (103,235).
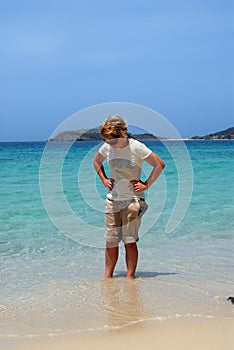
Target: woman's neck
(122,143)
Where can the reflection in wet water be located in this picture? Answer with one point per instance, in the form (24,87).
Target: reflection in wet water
(123,303)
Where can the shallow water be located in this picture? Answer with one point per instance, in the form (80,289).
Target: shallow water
(53,284)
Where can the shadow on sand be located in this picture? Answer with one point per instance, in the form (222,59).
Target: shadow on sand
(144,274)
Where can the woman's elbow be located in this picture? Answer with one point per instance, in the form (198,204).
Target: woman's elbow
(162,165)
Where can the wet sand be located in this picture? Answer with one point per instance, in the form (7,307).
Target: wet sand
(192,334)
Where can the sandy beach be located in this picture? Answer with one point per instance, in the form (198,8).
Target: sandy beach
(192,334)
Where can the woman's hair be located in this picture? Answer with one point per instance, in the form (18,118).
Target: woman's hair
(114,127)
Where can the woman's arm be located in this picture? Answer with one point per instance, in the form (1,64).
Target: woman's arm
(158,165)
(98,165)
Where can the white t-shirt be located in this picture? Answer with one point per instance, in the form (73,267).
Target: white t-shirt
(125,165)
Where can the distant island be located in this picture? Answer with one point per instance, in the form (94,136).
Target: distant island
(227,134)
(93,135)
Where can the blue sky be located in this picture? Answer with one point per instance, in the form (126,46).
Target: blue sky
(58,57)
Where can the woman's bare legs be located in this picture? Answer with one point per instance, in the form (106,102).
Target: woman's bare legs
(131,259)
(112,253)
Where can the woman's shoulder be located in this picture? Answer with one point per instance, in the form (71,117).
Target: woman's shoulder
(140,148)
(135,143)
(104,149)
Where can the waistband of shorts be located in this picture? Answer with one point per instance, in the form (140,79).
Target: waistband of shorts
(126,200)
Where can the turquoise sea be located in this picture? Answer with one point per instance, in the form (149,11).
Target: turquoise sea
(51,281)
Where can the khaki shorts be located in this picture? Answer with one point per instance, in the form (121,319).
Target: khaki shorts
(123,219)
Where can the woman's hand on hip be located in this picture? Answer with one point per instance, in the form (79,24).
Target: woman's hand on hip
(109,183)
(139,186)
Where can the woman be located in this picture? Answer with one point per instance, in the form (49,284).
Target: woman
(125,201)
